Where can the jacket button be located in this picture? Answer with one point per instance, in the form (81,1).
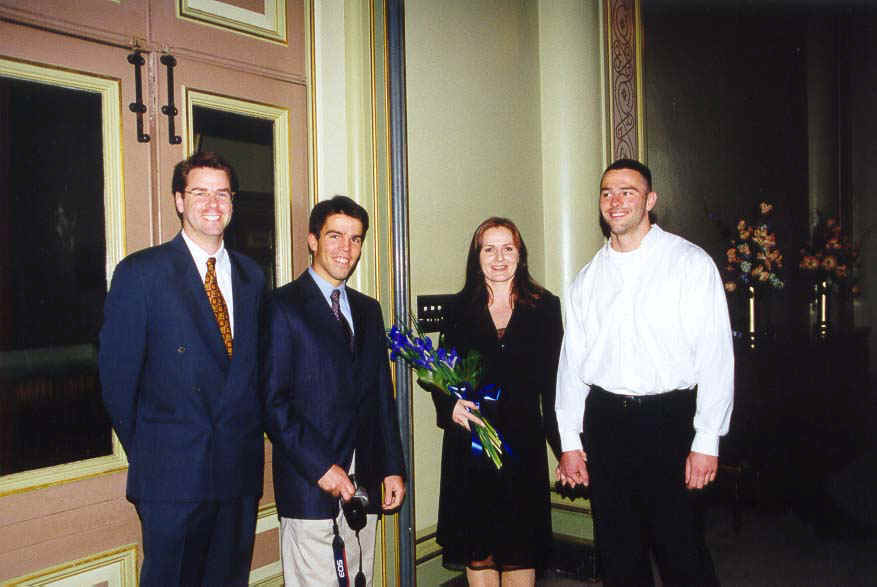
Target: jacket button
(181,349)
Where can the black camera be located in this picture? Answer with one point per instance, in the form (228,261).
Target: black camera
(354,510)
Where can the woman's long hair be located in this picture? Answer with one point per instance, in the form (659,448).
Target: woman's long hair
(475,294)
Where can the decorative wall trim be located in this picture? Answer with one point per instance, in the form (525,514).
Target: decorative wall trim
(114,219)
(26,15)
(311,60)
(425,545)
(267,576)
(282,174)
(269,24)
(624,79)
(114,568)
(267,519)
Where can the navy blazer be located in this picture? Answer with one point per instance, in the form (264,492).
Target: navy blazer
(322,401)
(187,416)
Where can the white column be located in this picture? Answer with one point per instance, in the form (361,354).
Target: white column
(573,134)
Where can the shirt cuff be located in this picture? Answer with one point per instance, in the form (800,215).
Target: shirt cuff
(570,440)
(705,443)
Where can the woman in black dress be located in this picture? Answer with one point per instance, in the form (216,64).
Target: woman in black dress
(497,523)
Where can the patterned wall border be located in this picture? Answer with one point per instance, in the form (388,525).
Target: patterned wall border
(623,28)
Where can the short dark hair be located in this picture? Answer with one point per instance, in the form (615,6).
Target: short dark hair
(635,166)
(202,159)
(336,205)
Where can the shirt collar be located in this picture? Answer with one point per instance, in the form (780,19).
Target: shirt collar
(326,287)
(648,241)
(200,255)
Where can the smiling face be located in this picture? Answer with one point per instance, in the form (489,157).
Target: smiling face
(625,202)
(207,211)
(337,248)
(499,255)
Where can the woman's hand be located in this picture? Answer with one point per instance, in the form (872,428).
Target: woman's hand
(462,415)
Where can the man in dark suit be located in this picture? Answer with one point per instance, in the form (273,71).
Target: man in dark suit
(328,399)
(178,368)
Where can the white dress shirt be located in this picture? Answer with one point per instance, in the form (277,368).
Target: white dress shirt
(645,322)
(223,271)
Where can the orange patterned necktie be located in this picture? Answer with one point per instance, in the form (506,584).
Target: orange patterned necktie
(217,302)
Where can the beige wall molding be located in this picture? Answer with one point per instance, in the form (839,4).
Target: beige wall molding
(624,55)
(114,568)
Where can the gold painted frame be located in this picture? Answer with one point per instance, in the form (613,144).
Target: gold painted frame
(270,25)
(282,178)
(114,226)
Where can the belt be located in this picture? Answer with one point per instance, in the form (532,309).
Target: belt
(638,401)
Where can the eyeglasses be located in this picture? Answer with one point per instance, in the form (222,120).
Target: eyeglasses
(203,195)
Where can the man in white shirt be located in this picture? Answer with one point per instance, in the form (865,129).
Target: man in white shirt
(644,387)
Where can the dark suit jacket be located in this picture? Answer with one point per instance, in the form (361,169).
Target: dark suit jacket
(322,401)
(188,416)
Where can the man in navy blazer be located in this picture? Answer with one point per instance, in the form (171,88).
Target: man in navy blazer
(328,403)
(183,396)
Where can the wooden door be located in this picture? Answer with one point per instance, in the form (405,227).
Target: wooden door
(63,515)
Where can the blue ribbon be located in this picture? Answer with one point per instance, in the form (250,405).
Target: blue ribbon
(488,393)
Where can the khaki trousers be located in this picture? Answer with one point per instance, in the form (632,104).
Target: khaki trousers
(307,555)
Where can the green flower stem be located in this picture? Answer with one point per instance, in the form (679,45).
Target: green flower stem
(443,376)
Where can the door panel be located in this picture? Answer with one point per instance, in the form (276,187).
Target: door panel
(29,45)
(217,92)
(48,514)
(119,21)
(68,512)
(204,39)
(56,283)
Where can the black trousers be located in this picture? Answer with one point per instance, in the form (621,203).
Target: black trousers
(637,449)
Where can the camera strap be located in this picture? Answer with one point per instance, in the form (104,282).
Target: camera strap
(340,552)
(340,557)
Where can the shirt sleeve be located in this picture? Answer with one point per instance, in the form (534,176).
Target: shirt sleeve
(572,392)
(709,329)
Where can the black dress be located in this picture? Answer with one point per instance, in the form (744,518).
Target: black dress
(504,514)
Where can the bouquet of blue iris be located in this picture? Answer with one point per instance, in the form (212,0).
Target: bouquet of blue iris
(443,371)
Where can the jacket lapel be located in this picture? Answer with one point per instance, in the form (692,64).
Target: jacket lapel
(196,300)
(320,312)
(357,310)
(245,298)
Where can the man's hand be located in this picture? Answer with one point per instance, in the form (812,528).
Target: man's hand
(336,483)
(394,492)
(700,470)
(572,469)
